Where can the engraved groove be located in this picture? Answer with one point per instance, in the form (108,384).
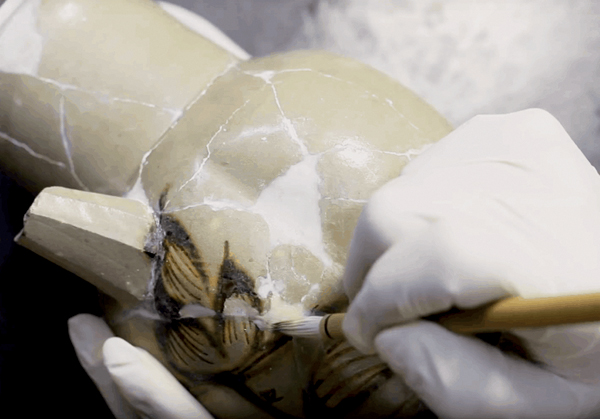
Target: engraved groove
(175,352)
(190,291)
(194,338)
(361,383)
(261,362)
(337,372)
(181,342)
(186,343)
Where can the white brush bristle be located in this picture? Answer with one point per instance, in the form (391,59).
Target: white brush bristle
(307,327)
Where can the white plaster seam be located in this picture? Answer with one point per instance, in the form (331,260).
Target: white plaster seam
(65,87)
(358,201)
(178,118)
(409,154)
(208,152)
(30,151)
(214,205)
(67,145)
(389,102)
(287,122)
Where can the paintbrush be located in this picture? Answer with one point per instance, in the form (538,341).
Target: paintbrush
(501,315)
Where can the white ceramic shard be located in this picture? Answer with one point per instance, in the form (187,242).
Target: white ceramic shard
(105,240)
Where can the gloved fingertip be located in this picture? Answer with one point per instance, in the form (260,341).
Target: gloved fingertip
(88,333)
(399,346)
(88,325)
(118,352)
(356,333)
(413,351)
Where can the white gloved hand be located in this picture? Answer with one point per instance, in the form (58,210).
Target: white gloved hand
(133,383)
(504,205)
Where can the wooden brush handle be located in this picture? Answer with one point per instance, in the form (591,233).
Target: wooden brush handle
(503,315)
(518,312)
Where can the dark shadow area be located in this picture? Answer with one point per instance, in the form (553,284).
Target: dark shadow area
(39,372)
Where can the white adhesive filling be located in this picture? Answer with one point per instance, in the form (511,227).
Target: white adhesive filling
(290,206)
(270,290)
(239,308)
(355,154)
(138,193)
(280,310)
(21,44)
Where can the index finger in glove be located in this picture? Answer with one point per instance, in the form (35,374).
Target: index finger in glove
(461,377)
(416,278)
(379,226)
(88,334)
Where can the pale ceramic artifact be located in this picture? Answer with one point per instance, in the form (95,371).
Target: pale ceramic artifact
(237,188)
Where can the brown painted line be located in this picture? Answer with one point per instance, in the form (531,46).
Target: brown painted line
(191,354)
(169,280)
(183,266)
(178,273)
(337,392)
(210,338)
(332,357)
(193,340)
(335,370)
(263,357)
(181,342)
(333,347)
(175,354)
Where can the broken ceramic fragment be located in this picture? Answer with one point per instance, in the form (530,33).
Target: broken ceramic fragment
(237,188)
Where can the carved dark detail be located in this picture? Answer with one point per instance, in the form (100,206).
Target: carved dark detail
(234,281)
(232,350)
(213,344)
(269,396)
(344,373)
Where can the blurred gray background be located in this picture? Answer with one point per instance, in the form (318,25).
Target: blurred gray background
(464,57)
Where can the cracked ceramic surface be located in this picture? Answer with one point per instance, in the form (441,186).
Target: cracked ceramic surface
(81,73)
(289,155)
(269,171)
(255,173)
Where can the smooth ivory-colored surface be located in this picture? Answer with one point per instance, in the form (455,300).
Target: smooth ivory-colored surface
(104,83)
(103,239)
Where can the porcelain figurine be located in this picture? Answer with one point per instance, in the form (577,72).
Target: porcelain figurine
(198,190)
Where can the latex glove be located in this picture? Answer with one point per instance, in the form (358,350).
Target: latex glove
(504,205)
(133,383)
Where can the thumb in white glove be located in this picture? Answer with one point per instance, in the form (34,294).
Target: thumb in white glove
(504,205)
(133,383)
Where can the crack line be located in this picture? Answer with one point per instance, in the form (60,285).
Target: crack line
(358,201)
(208,151)
(180,115)
(410,154)
(330,76)
(288,126)
(214,205)
(67,145)
(30,150)
(65,87)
